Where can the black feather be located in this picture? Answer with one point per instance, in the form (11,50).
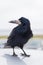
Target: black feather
(21,34)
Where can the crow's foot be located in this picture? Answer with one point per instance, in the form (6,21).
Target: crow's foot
(25,55)
(14,55)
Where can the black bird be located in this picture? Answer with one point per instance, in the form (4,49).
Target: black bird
(20,34)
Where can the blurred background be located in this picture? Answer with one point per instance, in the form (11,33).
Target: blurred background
(14,9)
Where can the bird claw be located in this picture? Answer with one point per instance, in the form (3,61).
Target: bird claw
(14,55)
(25,55)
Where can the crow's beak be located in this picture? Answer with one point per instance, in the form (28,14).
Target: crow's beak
(15,21)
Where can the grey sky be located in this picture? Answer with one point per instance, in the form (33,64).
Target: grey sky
(14,9)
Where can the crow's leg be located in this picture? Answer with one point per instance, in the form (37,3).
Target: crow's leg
(14,53)
(25,54)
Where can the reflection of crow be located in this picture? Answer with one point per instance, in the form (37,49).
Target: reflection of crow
(20,34)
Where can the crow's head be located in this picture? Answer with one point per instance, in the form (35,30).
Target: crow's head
(24,20)
(21,20)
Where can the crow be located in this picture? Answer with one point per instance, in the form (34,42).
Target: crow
(20,34)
